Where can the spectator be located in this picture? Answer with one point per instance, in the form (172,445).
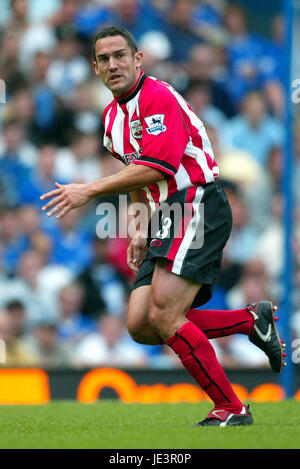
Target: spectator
(46,104)
(14,242)
(180,31)
(238,352)
(69,68)
(9,66)
(44,346)
(39,12)
(22,108)
(39,37)
(272,65)
(117,257)
(137,16)
(19,232)
(34,10)
(210,12)
(71,243)
(85,118)
(42,177)
(18,314)
(253,130)
(35,237)
(157,50)
(163,359)
(213,136)
(16,353)
(56,120)
(103,287)
(110,346)
(247,57)
(259,194)
(254,285)
(199,97)
(80,162)
(25,288)
(241,246)
(72,325)
(208,20)
(15,143)
(65,14)
(271,241)
(19,16)
(223,349)
(3,272)
(91,16)
(13,155)
(202,68)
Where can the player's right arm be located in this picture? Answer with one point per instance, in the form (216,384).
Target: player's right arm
(138,246)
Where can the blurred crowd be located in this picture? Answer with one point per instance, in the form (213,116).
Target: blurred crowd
(63,288)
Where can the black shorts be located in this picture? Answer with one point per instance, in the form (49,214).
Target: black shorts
(194,242)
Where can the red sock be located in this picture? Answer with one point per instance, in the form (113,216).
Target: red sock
(198,357)
(214,323)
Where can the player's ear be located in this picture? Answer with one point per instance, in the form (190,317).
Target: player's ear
(95,66)
(138,58)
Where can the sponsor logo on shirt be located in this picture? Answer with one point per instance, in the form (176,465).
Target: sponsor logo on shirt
(130,157)
(136,128)
(155,124)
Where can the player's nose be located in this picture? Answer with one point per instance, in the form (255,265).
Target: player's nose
(112,64)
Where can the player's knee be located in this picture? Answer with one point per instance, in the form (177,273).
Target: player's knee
(134,328)
(159,317)
(141,332)
(164,316)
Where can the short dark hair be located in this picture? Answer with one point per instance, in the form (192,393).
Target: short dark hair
(108,31)
(14,304)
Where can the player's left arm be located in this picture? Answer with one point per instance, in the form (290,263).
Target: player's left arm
(67,197)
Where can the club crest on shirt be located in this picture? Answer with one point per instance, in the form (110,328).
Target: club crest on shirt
(155,124)
(136,128)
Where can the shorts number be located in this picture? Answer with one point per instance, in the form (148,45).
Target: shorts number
(166,225)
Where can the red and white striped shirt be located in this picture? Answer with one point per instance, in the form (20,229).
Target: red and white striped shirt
(153,125)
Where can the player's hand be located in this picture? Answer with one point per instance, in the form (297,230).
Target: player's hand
(65,198)
(136,252)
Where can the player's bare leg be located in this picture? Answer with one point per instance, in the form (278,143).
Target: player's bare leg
(171,298)
(138,317)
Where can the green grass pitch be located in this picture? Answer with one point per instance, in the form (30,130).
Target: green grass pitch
(113,425)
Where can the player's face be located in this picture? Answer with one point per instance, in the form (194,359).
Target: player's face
(116,64)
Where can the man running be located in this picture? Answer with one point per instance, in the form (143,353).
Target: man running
(169,160)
